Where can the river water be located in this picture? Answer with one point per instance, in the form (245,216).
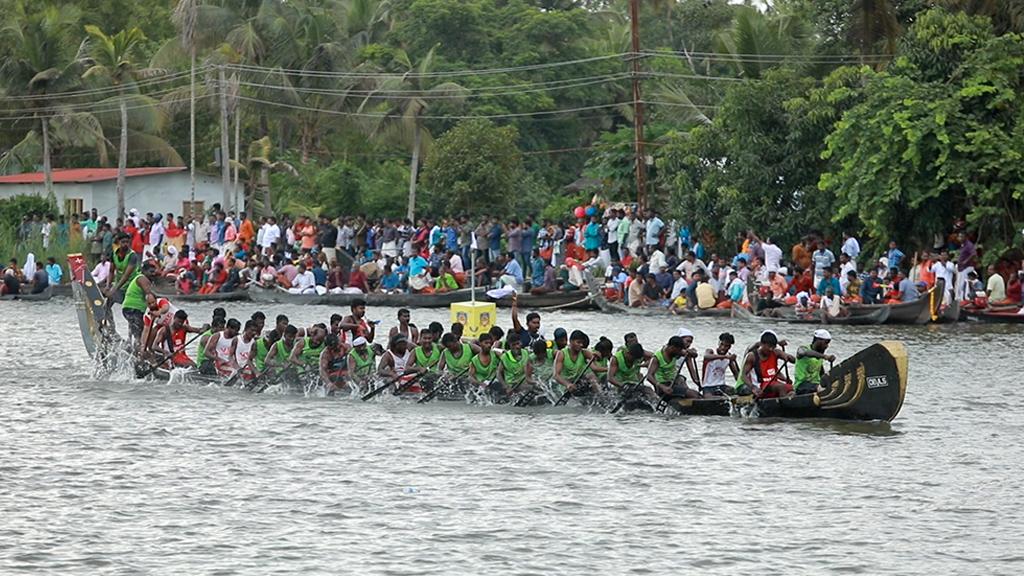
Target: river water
(121,477)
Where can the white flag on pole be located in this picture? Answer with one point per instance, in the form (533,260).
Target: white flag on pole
(472,240)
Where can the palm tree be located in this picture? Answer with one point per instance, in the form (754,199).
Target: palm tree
(185,16)
(759,41)
(1006,15)
(113,60)
(39,62)
(874,22)
(407,99)
(257,169)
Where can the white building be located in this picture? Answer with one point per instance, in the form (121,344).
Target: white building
(154,190)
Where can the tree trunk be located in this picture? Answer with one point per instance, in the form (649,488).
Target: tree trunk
(414,168)
(265,185)
(122,158)
(192,125)
(225,154)
(47,161)
(238,158)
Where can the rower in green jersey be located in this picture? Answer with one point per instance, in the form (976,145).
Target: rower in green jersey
(810,363)
(263,347)
(514,368)
(483,367)
(362,362)
(663,375)
(306,353)
(137,300)
(571,371)
(126,268)
(624,369)
(542,360)
(456,355)
(277,357)
(427,355)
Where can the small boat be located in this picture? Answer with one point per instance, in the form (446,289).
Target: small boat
(869,385)
(994,317)
(438,300)
(574,300)
(619,308)
(917,312)
(858,316)
(46,294)
(235,296)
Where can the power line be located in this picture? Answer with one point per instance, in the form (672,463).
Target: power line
(94,91)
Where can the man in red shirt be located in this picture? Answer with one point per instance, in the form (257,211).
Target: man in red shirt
(172,338)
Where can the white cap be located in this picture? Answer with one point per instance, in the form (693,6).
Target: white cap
(359,342)
(684,333)
(772,332)
(822,334)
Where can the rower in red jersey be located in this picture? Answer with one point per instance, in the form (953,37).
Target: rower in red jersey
(172,338)
(761,374)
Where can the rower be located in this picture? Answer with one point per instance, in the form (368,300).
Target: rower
(483,367)
(689,355)
(663,374)
(456,355)
(281,325)
(716,362)
(514,368)
(126,268)
(426,355)
(603,354)
(306,352)
(173,338)
(219,357)
(333,364)
(809,366)
(760,373)
(629,339)
(278,354)
(562,339)
(260,321)
(244,350)
(571,363)
(361,359)
(216,325)
(397,359)
(542,360)
(497,337)
(263,347)
(137,298)
(159,315)
(405,327)
(531,332)
(356,322)
(335,327)
(624,369)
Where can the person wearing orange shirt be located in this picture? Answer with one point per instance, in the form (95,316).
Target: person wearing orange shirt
(246,232)
(308,233)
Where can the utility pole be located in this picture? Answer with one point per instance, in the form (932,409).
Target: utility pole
(225,155)
(638,107)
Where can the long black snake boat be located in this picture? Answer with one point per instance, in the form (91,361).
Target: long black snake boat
(868,386)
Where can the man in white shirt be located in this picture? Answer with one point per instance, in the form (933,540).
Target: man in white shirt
(846,264)
(772,255)
(946,271)
(612,229)
(679,285)
(271,234)
(304,282)
(691,264)
(455,261)
(657,261)
(851,247)
(345,235)
(652,231)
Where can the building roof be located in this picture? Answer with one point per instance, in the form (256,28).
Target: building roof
(86,175)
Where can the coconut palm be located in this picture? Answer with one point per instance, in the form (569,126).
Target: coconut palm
(112,60)
(40,62)
(405,100)
(257,169)
(874,26)
(759,41)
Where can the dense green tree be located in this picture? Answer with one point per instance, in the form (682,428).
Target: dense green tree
(475,168)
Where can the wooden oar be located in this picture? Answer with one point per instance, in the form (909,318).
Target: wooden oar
(569,389)
(153,366)
(382,387)
(437,387)
(508,396)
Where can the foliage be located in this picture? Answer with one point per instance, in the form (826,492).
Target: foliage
(14,208)
(476,168)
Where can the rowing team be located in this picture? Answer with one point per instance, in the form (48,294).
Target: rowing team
(503,367)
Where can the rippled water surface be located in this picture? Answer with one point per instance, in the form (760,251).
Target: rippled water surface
(122,477)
